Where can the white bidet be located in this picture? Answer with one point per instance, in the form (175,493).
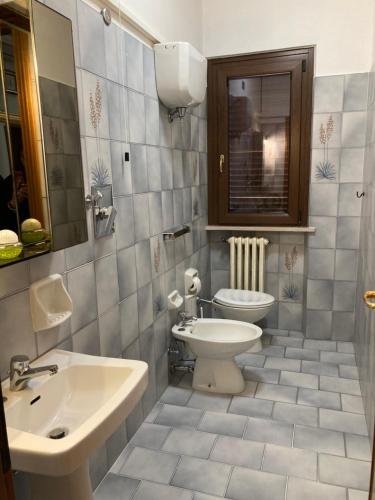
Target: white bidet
(215,342)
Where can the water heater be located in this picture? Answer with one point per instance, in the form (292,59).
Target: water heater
(181,76)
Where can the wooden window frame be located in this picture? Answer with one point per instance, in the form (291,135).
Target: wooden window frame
(301,61)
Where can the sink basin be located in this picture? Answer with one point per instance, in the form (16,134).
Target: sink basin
(81,406)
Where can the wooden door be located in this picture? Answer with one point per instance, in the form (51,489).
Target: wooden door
(6,483)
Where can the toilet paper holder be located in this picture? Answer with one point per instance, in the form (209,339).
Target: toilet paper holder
(192,282)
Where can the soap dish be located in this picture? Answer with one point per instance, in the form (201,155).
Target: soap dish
(50,303)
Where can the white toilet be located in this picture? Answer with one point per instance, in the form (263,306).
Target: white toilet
(243,305)
(215,342)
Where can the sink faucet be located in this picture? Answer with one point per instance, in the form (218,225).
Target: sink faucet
(20,372)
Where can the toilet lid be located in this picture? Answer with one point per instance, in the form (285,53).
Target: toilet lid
(243,298)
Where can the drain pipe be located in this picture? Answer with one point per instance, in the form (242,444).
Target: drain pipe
(177,360)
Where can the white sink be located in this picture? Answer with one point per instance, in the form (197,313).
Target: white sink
(89,397)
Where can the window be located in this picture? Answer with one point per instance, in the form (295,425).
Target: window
(259,126)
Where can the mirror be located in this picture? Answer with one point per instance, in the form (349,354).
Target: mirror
(42,204)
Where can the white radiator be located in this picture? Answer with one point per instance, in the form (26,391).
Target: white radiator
(243,252)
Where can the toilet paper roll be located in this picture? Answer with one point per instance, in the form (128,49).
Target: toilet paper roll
(196,286)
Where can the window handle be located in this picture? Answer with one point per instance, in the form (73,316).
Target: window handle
(221,163)
(368,298)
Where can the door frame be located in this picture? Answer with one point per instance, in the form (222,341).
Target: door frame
(305,57)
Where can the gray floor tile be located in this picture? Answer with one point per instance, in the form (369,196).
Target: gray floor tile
(202,475)
(261,374)
(286,341)
(320,399)
(296,414)
(358,447)
(305,354)
(357,495)
(321,440)
(250,388)
(317,368)
(352,404)
(150,465)
(311,490)
(274,392)
(269,431)
(290,461)
(119,463)
(153,491)
(346,347)
(234,451)
(262,485)
(222,423)
(250,407)
(291,365)
(176,395)
(320,345)
(150,436)
(274,351)
(188,442)
(203,496)
(206,401)
(338,358)
(336,384)
(154,413)
(347,371)
(178,416)
(248,359)
(115,487)
(343,421)
(186,381)
(299,379)
(344,472)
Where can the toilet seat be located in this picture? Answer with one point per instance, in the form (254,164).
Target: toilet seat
(243,299)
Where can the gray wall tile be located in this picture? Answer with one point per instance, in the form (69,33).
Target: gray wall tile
(134,63)
(355,92)
(82,289)
(328,93)
(353,129)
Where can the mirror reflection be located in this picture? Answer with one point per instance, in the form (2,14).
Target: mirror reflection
(23,206)
(41,180)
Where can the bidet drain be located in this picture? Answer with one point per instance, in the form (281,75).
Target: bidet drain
(58,433)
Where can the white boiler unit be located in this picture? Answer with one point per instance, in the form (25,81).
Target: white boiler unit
(181,76)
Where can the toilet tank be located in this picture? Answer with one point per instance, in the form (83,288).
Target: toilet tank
(181,74)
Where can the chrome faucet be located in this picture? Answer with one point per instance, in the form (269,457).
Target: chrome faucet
(20,372)
(186,319)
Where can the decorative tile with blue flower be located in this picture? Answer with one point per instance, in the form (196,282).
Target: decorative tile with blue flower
(290,281)
(326,168)
(323,171)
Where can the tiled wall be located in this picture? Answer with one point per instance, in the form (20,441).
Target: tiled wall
(283,277)
(364,321)
(339,133)
(119,284)
(313,277)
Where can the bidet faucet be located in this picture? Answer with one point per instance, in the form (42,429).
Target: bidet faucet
(185,318)
(20,371)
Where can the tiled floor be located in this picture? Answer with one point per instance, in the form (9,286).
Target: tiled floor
(298,431)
